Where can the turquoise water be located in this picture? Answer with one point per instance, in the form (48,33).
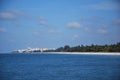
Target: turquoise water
(59,67)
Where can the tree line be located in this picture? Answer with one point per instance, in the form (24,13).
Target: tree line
(89,48)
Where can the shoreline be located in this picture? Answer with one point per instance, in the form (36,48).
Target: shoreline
(90,53)
(83,53)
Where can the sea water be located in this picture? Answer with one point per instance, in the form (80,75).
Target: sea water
(47,66)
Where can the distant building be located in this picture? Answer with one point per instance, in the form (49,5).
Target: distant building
(33,50)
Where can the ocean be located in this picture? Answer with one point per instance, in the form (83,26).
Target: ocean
(47,66)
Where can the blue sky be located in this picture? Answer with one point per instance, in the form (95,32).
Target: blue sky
(55,23)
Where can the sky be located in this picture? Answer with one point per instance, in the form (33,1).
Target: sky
(55,23)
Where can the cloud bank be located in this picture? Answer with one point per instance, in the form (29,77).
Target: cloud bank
(74,25)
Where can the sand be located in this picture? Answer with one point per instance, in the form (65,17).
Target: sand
(90,53)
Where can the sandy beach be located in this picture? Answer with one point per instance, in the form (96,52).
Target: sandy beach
(90,53)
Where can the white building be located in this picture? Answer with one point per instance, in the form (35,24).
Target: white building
(33,50)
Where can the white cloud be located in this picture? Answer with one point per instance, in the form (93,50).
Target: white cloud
(7,15)
(42,21)
(87,29)
(51,31)
(76,36)
(2,30)
(96,31)
(13,14)
(74,25)
(17,12)
(104,6)
(116,22)
(102,31)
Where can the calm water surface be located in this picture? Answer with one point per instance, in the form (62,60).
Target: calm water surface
(59,67)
